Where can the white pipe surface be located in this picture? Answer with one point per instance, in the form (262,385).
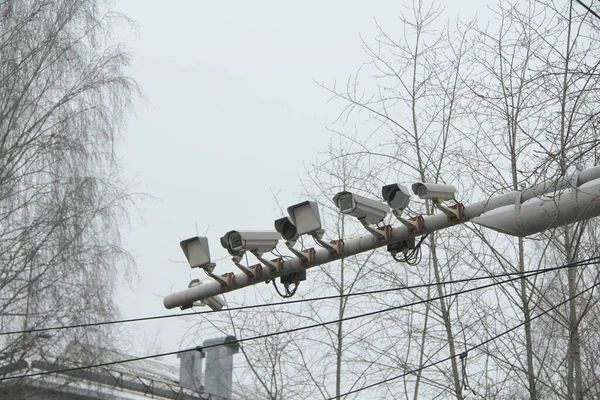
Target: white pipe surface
(515,213)
(546,212)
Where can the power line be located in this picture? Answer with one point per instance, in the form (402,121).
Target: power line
(589,9)
(104,364)
(321,324)
(413,371)
(338,296)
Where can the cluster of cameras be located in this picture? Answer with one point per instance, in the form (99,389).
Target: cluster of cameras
(304,219)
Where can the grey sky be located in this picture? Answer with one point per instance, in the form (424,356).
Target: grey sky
(231,114)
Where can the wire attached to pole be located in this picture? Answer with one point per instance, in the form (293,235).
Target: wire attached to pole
(411,257)
(590,261)
(288,293)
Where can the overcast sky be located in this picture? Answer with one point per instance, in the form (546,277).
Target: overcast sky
(230,115)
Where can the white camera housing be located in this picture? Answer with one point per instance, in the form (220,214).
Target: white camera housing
(305,216)
(434,191)
(215,303)
(367,210)
(303,219)
(238,242)
(196,251)
(397,196)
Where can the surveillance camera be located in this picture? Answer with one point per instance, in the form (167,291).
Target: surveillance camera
(397,196)
(286,229)
(305,216)
(370,211)
(238,242)
(304,219)
(434,191)
(196,251)
(215,303)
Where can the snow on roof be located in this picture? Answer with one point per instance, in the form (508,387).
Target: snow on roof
(150,368)
(137,379)
(130,380)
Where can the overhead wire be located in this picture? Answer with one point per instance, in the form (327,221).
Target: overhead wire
(321,324)
(525,274)
(589,9)
(463,354)
(98,365)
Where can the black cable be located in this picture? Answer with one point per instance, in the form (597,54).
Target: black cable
(321,324)
(463,354)
(288,293)
(337,296)
(105,364)
(412,257)
(589,9)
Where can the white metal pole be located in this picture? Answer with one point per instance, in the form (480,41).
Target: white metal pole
(544,206)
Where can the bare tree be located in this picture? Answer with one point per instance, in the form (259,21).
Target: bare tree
(537,115)
(64,96)
(414,107)
(325,361)
(490,109)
